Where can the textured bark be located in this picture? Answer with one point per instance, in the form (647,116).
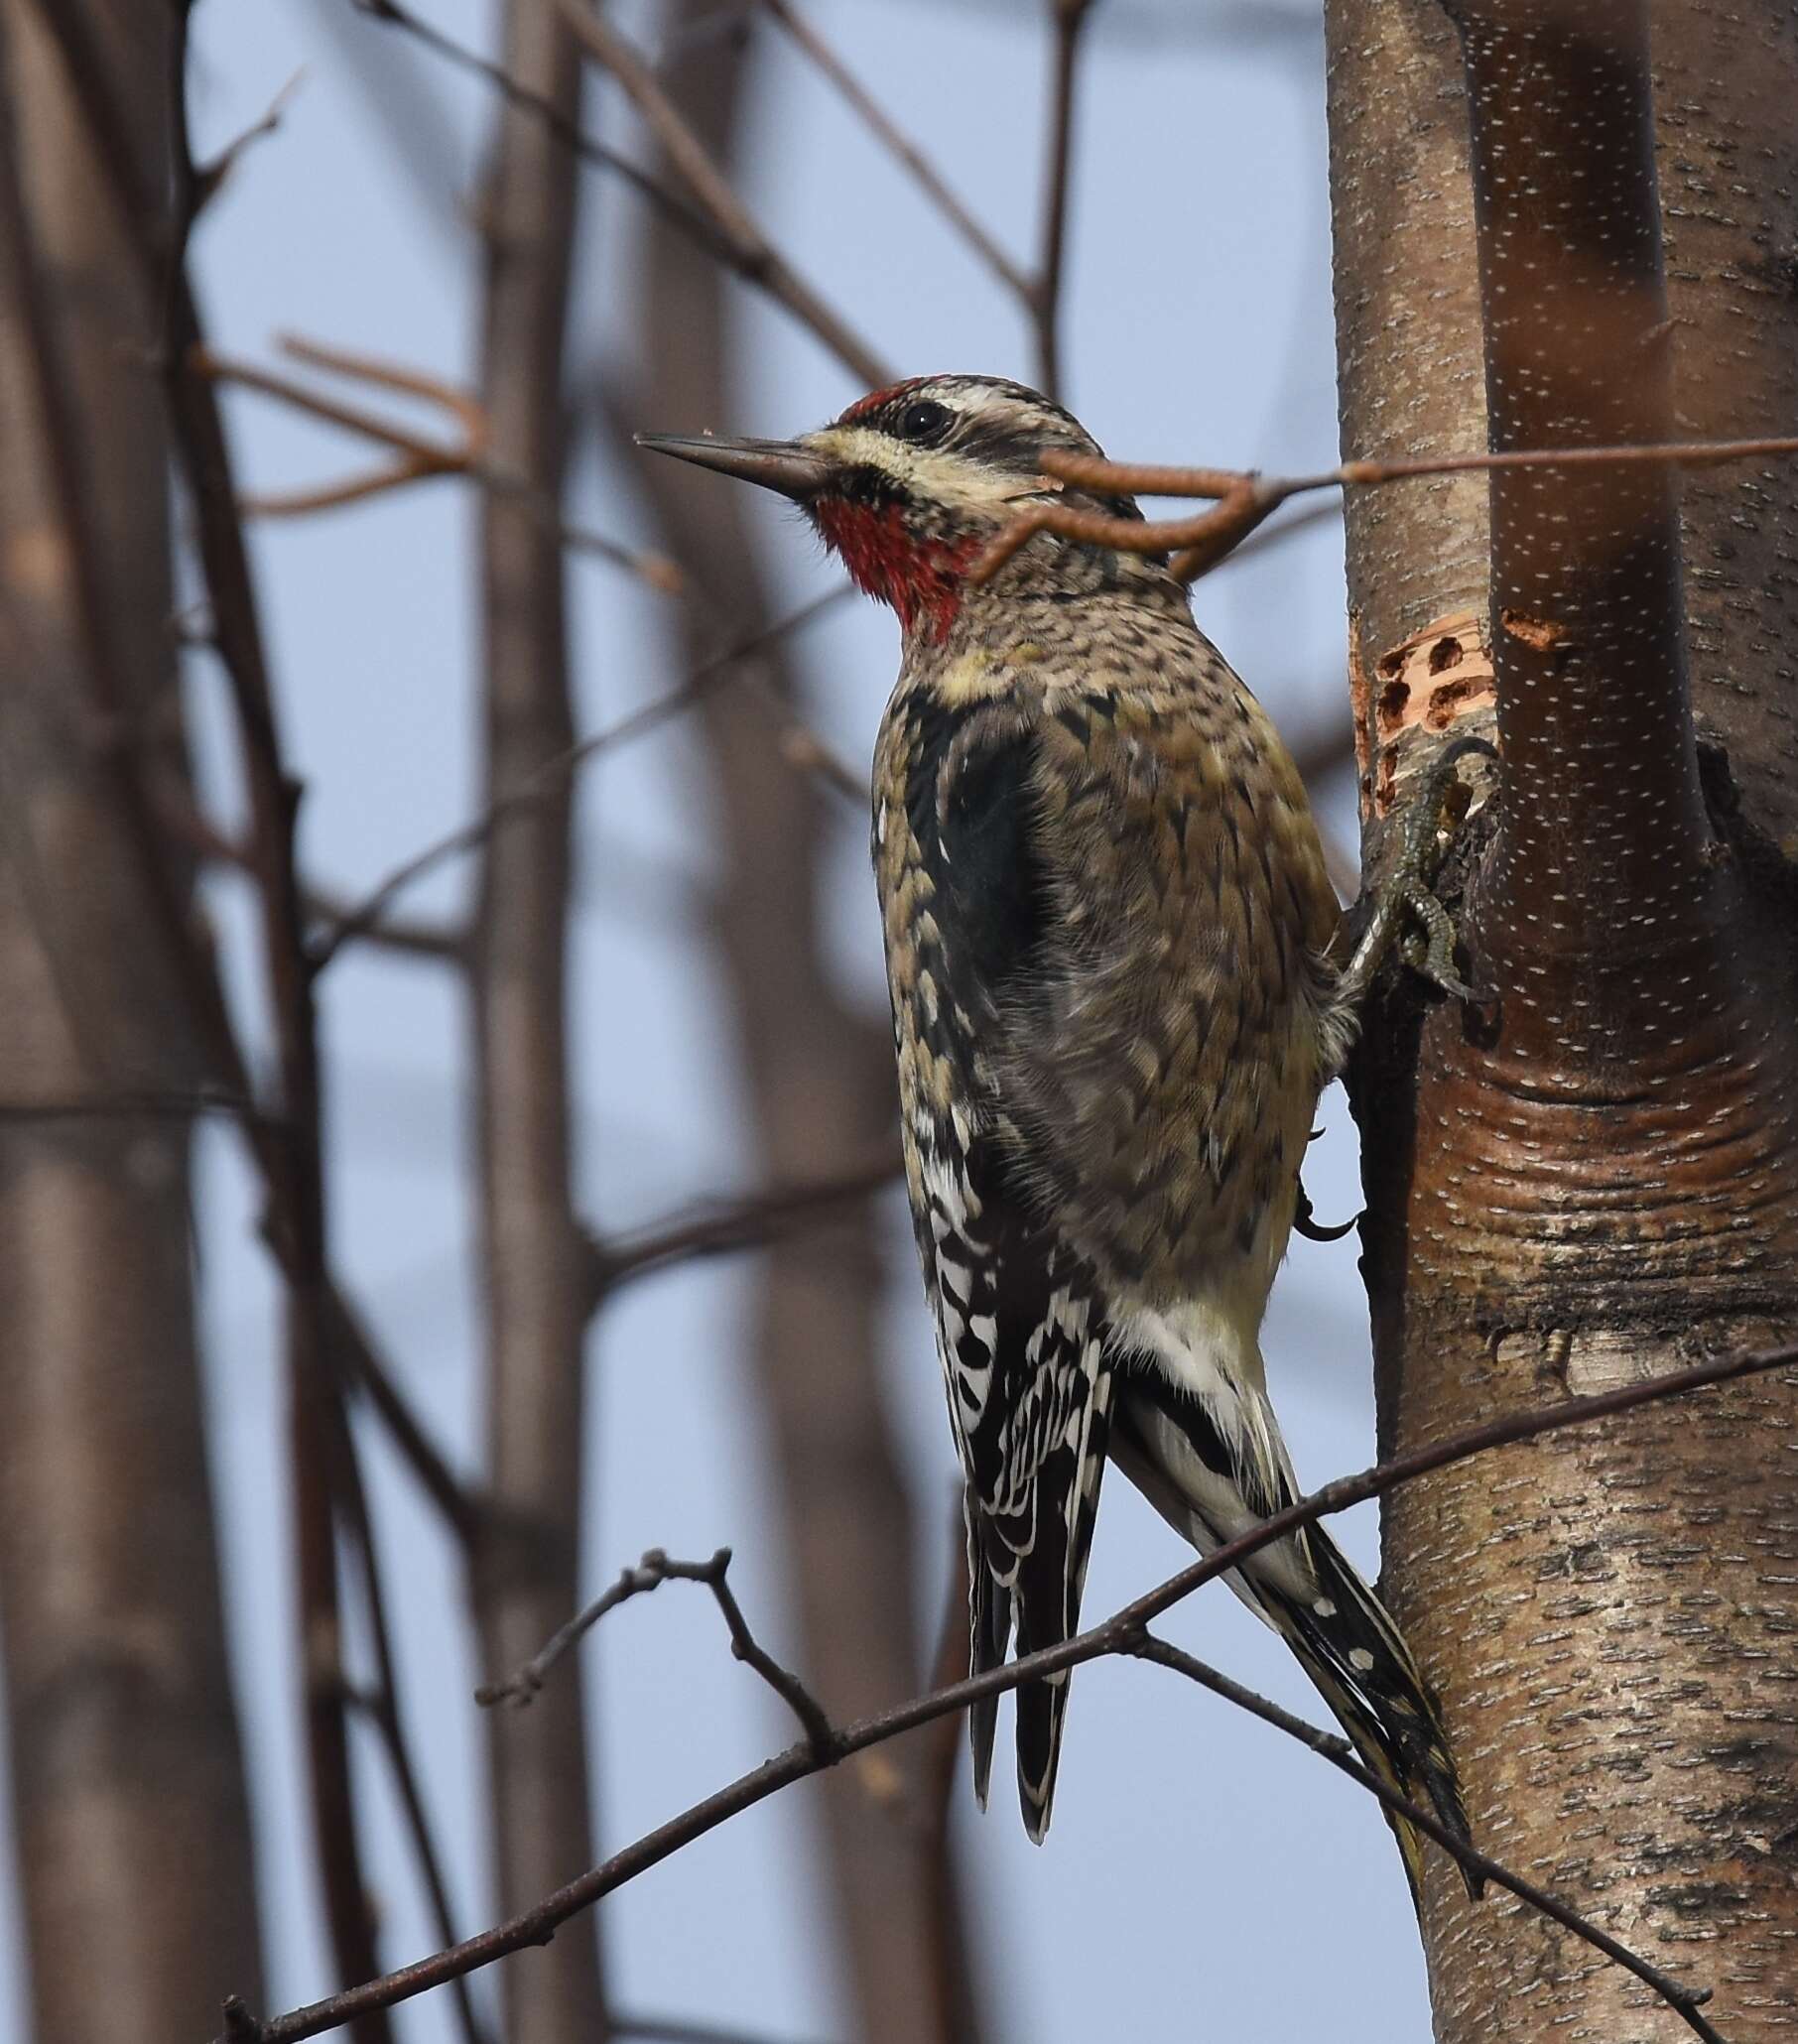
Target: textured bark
(129,1803)
(821,1083)
(1407,317)
(1726,80)
(1598,1179)
(526,1582)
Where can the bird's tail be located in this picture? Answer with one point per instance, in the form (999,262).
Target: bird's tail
(1356,1655)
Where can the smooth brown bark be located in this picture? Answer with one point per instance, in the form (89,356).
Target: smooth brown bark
(1407,317)
(533,1252)
(820,1100)
(1726,83)
(1598,1177)
(129,1803)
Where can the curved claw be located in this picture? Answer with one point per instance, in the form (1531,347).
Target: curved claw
(1306,1223)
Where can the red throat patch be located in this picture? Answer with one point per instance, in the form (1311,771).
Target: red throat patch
(921,579)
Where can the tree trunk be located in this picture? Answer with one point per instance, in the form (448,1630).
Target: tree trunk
(820,1092)
(129,1804)
(1597,1178)
(527,1571)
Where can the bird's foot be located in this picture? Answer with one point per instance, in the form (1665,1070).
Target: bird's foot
(1404,909)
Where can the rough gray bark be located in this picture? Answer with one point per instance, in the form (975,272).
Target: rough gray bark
(1598,1177)
(533,1252)
(820,1081)
(129,1803)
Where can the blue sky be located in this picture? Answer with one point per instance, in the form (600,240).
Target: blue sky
(1203,1878)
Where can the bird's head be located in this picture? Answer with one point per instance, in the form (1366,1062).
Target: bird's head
(911,482)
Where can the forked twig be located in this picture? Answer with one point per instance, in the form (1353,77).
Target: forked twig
(418,457)
(655,1569)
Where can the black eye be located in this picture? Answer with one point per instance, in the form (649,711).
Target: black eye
(924,421)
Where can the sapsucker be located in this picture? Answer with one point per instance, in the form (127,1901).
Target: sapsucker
(1106,919)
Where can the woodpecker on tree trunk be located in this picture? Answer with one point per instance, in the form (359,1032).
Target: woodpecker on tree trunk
(1107,923)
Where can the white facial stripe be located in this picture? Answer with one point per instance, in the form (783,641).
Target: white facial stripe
(932,473)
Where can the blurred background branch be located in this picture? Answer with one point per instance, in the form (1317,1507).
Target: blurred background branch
(526,1571)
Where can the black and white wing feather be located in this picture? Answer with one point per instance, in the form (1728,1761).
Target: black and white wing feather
(1021,1336)
(1020,1324)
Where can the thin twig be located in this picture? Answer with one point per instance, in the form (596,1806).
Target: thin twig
(418,460)
(1245,498)
(1046,290)
(186,822)
(751,254)
(807,753)
(321,1450)
(725,1226)
(372,908)
(671,207)
(467,1513)
(1115,1635)
(209,178)
(381,1708)
(875,117)
(662,2029)
(1684,2000)
(655,1569)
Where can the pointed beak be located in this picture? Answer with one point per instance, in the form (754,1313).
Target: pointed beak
(786,466)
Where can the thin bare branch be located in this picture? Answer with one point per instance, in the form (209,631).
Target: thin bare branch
(753,256)
(210,176)
(321,1450)
(807,753)
(465,1512)
(655,1569)
(380,1707)
(1116,1634)
(929,180)
(573,137)
(721,224)
(1245,498)
(1685,2001)
(189,825)
(419,460)
(724,1226)
(662,2029)
(372,908)
(1069,17)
